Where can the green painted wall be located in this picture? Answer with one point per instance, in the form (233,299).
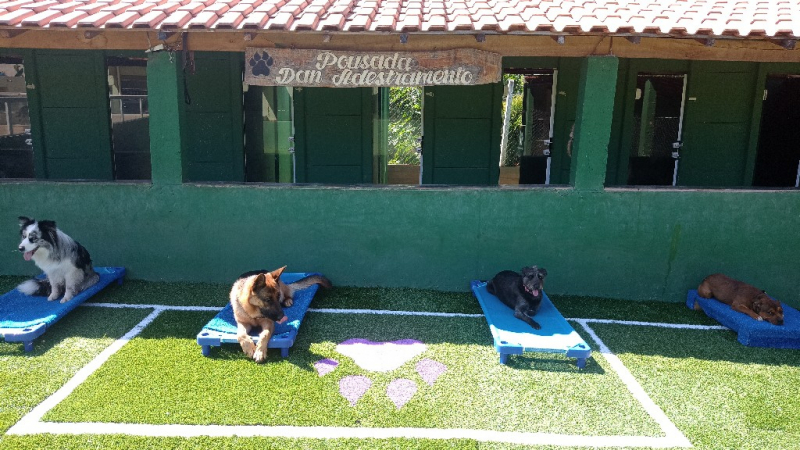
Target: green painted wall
(631,244)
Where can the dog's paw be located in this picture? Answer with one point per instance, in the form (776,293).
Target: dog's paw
(536,326)
(288,302)
(66,299)
(260,356)
(760,319)
(52,297)
(248,348)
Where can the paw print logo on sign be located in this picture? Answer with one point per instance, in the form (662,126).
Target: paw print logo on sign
(382,357)
(261,62)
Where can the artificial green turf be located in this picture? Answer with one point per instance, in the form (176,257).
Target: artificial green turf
(162,378)
(720,393)
(117,442)
(28,378)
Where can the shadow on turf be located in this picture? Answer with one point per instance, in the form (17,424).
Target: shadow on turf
(708,345)
(531,361)
(74,325)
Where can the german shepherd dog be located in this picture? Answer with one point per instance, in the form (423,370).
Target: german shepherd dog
(741,297)
(520,292)
(66,263)
(258,299)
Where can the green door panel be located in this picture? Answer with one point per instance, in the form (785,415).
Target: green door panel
(723,96)
(464,102)
(71,80)
(717,156)
(467,134)
(462,126)
(61,140)
(214,118)
(334,102)
(718,122)
(333,135)
(74,115)
(334,174)
(211,142)
(335,140)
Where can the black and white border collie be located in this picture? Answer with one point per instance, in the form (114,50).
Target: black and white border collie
(65,262)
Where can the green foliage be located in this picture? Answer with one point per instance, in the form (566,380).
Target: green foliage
(515,130)
(405,125)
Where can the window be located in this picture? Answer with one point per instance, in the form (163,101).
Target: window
(130,117)
(526,145)
(16,148)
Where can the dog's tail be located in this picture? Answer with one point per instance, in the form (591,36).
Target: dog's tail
(310,281)
(36,287)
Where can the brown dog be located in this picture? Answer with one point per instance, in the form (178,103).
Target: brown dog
(742,297)
(258,299)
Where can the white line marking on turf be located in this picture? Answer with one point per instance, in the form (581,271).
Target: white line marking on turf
(359,433)
(29,423)
(32,422)
(673,434)
(685,326)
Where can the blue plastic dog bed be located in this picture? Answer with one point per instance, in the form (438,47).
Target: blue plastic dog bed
(24,318)
(751,332)
(222,328)
(513,336)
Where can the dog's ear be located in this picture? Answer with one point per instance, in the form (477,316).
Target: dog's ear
(528,270)
(25,221)
(277,272)
(44,224)
(756,306)
(259,282)
(543,271)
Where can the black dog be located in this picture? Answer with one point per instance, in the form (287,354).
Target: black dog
(523,293)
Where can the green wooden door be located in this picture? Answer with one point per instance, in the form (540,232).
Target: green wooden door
(718,118)
(214,124)
(333,135)
(74,115)
(462,126)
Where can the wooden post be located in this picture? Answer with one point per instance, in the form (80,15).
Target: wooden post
(166,103)
(597,87)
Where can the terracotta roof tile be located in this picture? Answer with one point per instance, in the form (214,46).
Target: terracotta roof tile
(41,19)
(280,21)
(177,19)
(691,17)
(96,20)
(41,6)
(123,20)
(142,9)
(230,19)
(15,5)
(68,20)
(255,20)
(15,17)
(203,20)
(150,20)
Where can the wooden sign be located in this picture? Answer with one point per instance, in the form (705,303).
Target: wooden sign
(348,69)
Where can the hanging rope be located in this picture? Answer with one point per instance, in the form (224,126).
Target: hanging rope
(188,66)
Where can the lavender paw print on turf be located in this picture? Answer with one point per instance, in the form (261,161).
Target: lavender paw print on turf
(382,357)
